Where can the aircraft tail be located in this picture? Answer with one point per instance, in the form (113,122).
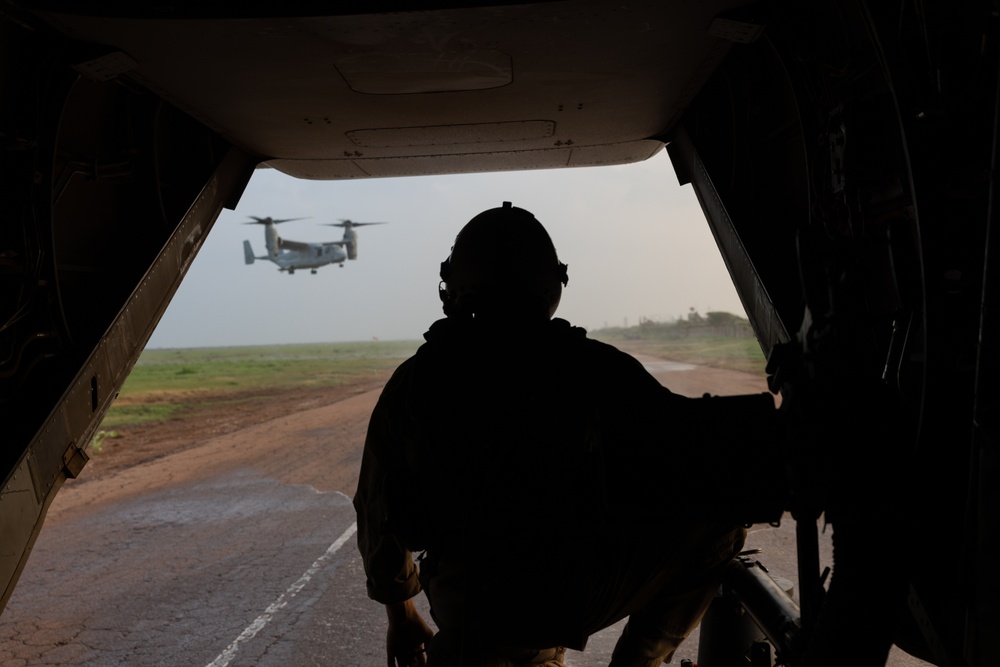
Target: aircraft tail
(248,253)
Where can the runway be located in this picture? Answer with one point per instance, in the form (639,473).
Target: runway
(241,551)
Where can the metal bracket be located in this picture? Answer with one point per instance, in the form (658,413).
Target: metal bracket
(74,459)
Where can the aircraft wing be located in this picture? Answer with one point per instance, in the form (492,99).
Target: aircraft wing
(300,245)
(285,244)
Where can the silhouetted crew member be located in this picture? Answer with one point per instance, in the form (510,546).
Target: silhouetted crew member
(532,470)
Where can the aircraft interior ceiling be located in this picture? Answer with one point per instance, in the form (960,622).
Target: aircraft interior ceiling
(439,91)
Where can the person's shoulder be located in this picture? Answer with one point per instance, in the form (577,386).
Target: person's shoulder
(440,329)
(438,332)
(399,376)
(446,333)
(445,342)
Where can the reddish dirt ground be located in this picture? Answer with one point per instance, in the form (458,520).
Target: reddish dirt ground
(148,441)
(150,553)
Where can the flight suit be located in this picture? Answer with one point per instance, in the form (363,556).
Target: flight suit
(536,474)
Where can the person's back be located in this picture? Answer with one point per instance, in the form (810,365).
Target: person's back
(526,460)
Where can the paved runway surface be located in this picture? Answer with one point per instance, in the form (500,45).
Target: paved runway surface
(241,551)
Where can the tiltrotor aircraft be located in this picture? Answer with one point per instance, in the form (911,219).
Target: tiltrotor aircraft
(844,153)
(292,255)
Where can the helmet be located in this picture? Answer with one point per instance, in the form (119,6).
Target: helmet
(503,261)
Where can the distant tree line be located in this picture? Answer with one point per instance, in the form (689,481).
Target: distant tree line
(714,323)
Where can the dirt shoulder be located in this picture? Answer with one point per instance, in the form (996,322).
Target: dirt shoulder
(219,414)
(213,417)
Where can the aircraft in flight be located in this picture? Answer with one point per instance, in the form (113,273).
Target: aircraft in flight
(292,255)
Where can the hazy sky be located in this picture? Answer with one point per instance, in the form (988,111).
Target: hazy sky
(636,243)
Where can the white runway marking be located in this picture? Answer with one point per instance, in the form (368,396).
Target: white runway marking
(665,366)
(226,656)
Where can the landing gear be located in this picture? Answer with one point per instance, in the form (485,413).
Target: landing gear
(313,271)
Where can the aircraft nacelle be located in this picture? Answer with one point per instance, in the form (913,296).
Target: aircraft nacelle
(350,238)
(272,240)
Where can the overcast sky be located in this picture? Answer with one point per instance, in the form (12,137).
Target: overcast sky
(636,243)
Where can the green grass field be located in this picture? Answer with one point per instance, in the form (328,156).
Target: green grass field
(248,368)
(168,382)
